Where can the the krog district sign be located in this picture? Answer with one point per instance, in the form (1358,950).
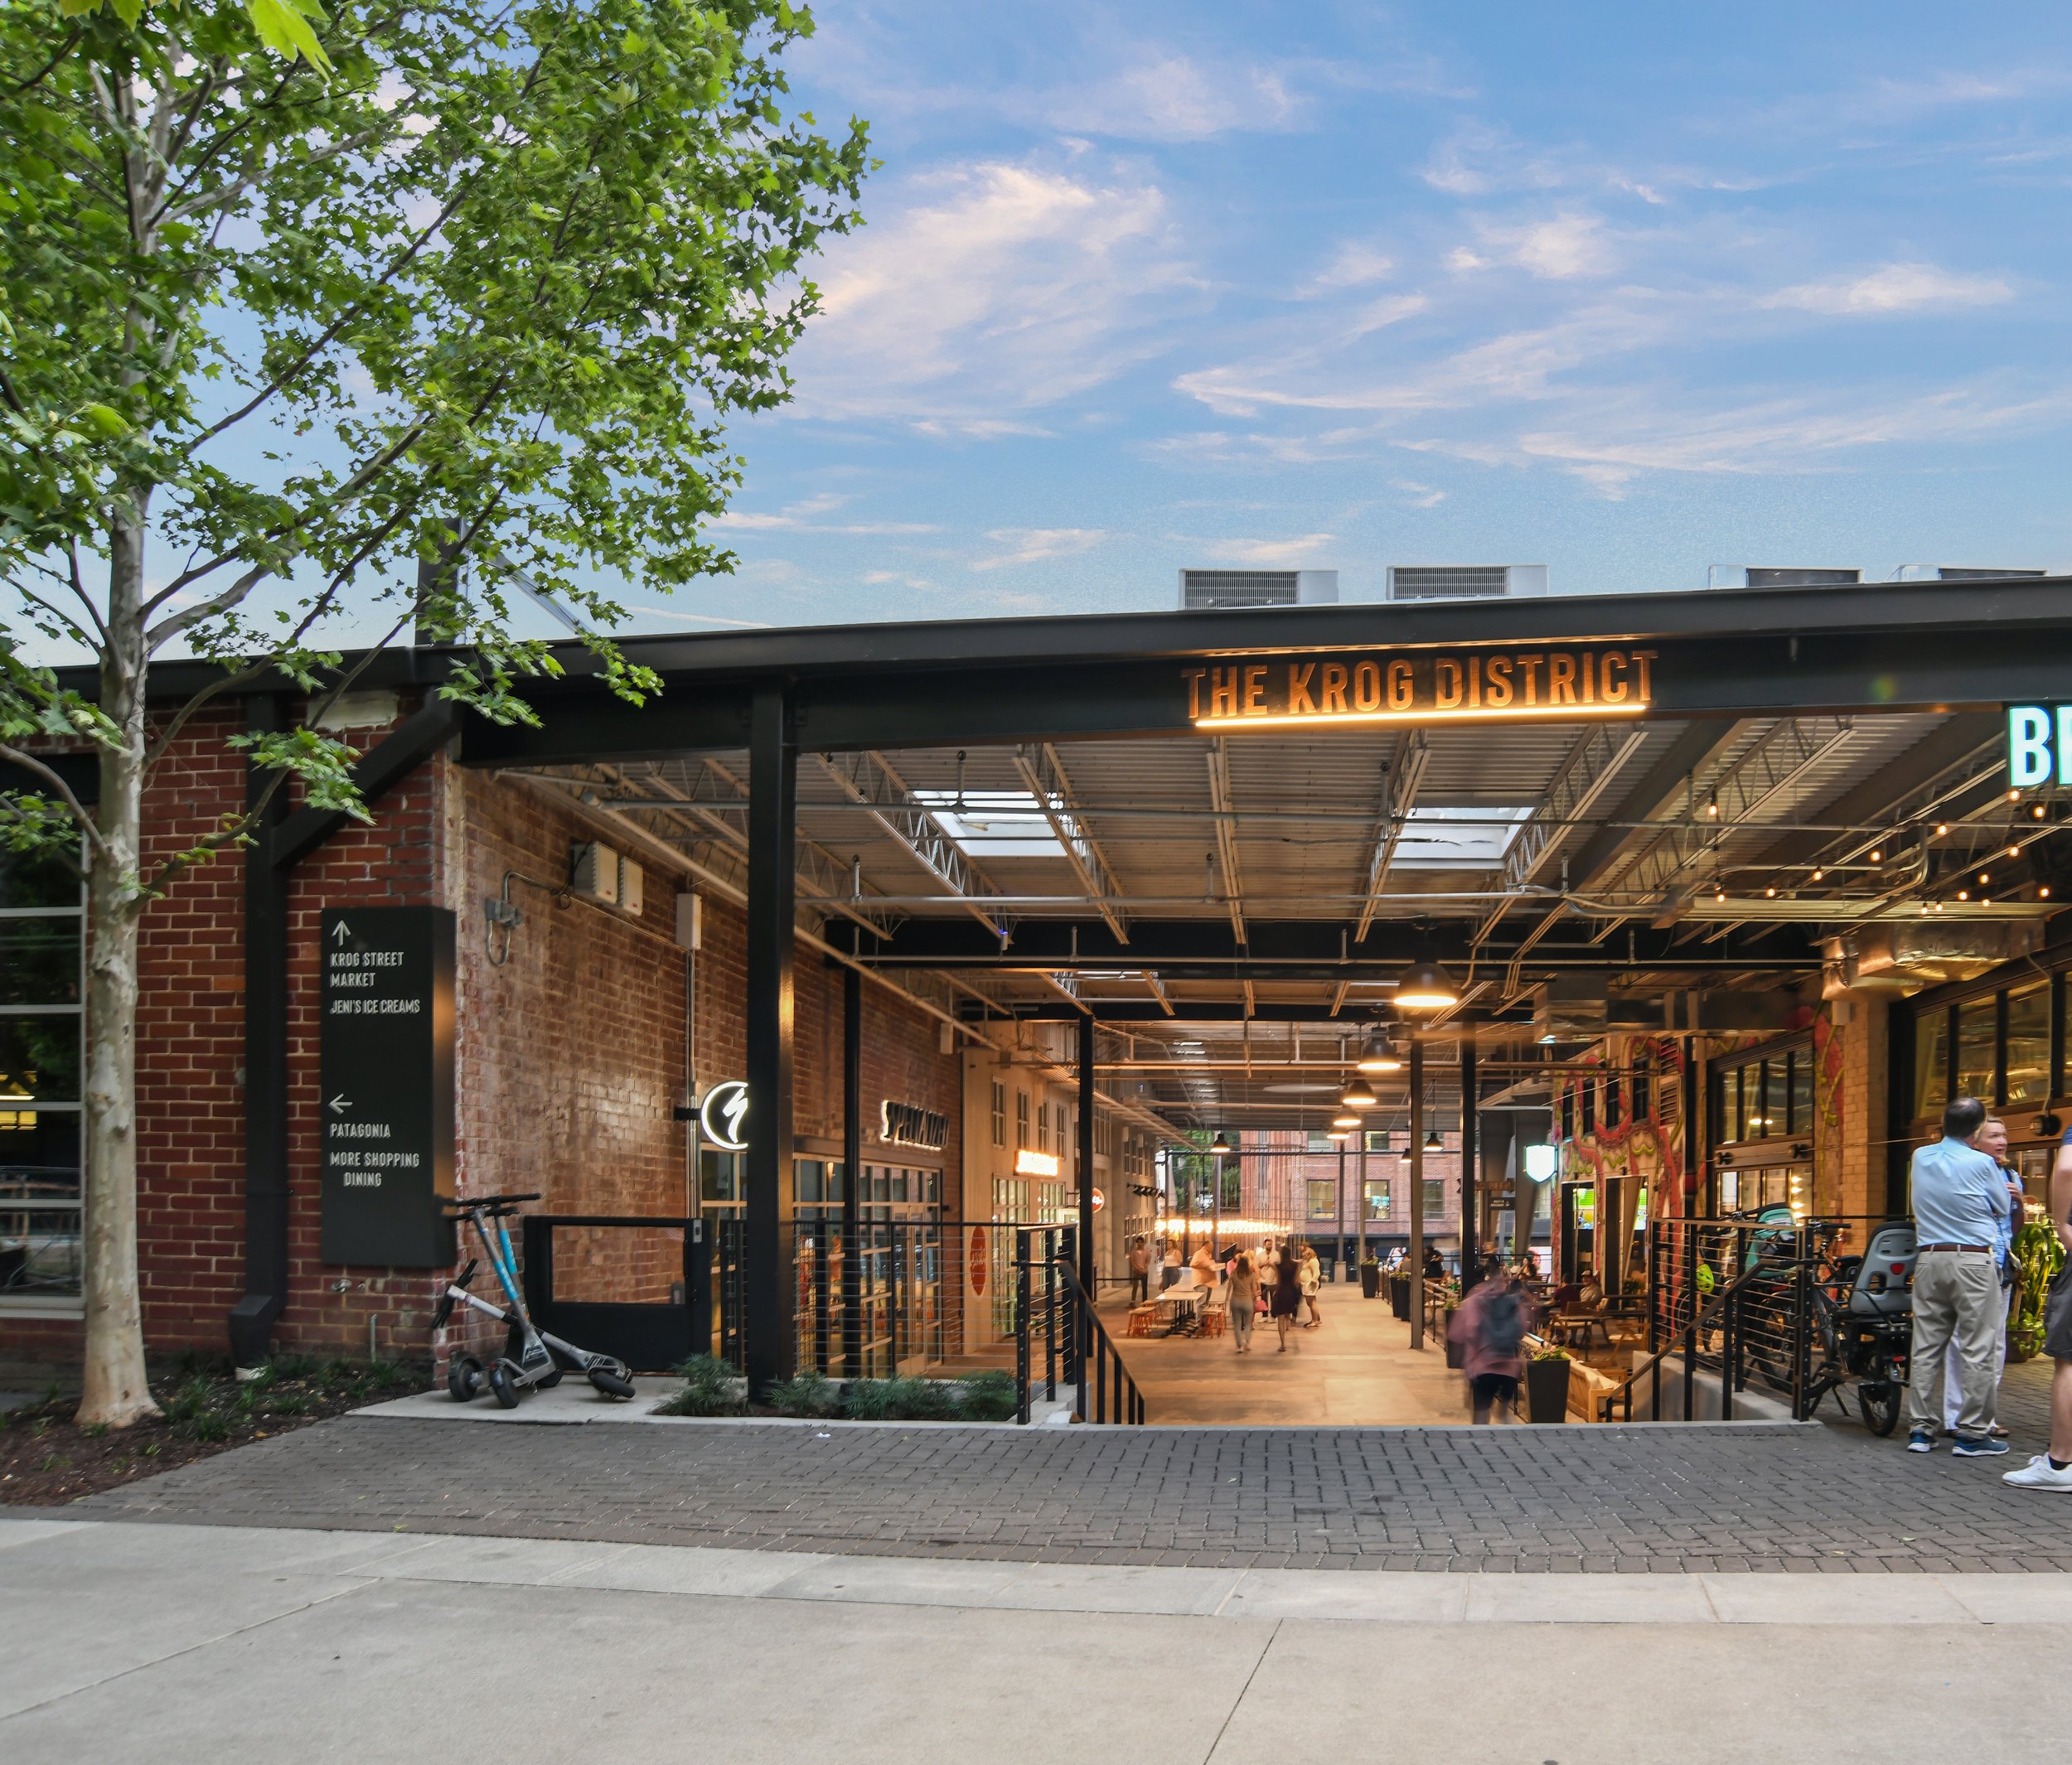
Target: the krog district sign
(1421,686)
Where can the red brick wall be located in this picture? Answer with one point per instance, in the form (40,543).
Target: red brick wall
(569,1061)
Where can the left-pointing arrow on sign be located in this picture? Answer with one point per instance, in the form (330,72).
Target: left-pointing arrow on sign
(340,1104)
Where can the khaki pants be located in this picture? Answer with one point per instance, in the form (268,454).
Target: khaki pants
(1955,1295)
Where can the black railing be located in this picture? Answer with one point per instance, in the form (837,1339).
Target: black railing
(1764,1299)
(1105,1391)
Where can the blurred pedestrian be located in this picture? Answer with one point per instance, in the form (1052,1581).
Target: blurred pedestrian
(1244,1302)
(1311,1278)
(1490,1327)
(1139,1271)
(1285,1298)
(1991,1140)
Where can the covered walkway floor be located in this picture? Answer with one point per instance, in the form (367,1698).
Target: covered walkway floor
(1357,1369)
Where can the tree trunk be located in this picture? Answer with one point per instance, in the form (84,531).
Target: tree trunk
(114,1388)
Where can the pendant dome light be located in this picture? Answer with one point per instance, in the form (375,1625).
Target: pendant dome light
(1433,1142)
(1221,1143)
(1348,1121)
(1425,986)
(1380,1056)
(1358,1096)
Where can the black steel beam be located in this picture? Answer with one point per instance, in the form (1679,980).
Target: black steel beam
(1863,803)
(380,770)
(1320,949)
(852,1274)
(1086,1271)
(1470,1222)
(1691,750)
(266,1047)
(769,1209)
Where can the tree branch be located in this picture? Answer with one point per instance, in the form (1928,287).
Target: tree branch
(29,762)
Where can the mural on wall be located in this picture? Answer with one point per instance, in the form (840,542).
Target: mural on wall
(1829,1040)
(1619,1150)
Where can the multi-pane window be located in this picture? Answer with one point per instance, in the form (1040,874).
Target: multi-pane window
(1043,1126)
(999,1113)
(1977,1051)
(2028,1063)
(1021,1118)
(1376,1139)
(1377,1197)
(1323,1197)
(41,924)
(1435,1198)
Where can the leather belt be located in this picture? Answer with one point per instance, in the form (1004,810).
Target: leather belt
(1982,1249)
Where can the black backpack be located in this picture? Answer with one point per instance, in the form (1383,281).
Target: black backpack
(1503,1324)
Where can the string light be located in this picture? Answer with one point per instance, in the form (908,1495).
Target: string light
(1942,827)
(1963,894)
(1771,894)
(1877,855)
(2036,810)
(2045,891)
(1818,874)
(1983,878)
(2014,797)
(2014,852)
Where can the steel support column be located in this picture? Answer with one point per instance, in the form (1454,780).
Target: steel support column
(852,1171)
(1470,1154)
(770,1351)
(1416,1255)
(1086,1168)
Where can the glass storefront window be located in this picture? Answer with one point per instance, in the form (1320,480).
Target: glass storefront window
(718,1176)
(1977,1053)
(1323,1197)
(41,1022)
(1774,1116)
(1931,1063)
(2028,1045)
(1377,1197)
(1802,1091)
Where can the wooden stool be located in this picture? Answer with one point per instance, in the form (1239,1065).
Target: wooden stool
(1141,1318)
(1213,1317)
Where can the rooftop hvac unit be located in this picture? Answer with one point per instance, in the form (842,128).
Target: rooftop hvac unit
(1777,576)
(1465,582)
(1202,591)
(1951,572)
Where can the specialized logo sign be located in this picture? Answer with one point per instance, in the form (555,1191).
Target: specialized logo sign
(723,1114)
(1421,686)
(2039,746)
(1540,1162)
(909,1124)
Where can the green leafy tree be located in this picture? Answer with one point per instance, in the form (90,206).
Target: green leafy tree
(383,312)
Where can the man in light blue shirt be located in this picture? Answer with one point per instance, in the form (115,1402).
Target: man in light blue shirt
(1961,1208)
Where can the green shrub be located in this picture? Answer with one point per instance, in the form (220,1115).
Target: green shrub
(808,1393)
(989,1397)
(708,1388)
(901,1400)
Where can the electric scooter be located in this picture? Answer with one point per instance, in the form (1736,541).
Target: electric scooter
(532,1360)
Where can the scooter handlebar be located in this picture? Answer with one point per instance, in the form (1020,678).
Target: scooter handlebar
(489,1202)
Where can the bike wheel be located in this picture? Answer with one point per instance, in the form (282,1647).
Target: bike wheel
(1879,1399)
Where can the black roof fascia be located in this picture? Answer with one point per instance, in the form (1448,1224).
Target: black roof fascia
(1869,609)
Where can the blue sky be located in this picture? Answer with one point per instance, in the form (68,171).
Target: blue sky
(1625,290)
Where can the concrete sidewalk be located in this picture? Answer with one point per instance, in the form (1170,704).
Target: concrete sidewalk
(172,1643)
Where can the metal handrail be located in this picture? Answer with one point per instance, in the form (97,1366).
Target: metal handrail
(1088,1342)
(1710,1316)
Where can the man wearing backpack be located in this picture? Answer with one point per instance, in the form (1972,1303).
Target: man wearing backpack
(1490,1327)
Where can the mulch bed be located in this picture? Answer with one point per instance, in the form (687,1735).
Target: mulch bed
(47,1459)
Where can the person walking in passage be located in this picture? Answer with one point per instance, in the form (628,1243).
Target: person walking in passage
(1991,1140)
(1312,1278)
(1244,1302)
(1960,1200)
(1490,1326)
(1284,1298)
(1140,1272)
(2053,1469)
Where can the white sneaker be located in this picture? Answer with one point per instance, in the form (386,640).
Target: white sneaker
(2040,1473)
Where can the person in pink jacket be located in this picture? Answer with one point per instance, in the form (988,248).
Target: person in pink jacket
(1490,1327)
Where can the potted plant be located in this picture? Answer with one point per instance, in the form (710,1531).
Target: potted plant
(1546,1387)
(1399,1295)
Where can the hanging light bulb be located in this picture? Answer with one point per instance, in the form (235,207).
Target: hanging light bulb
(1942,827)
(1221,1143)
(1380,1058)
(1433,1142)
(1426,986)
(1877,855)
(1818,874)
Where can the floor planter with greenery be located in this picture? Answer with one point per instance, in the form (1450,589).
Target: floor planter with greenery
(1546,1387)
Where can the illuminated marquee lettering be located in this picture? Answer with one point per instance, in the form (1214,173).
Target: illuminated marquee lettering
(1425,686)
(2039,746)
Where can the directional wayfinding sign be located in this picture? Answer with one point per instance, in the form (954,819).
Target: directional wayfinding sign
(386,1051)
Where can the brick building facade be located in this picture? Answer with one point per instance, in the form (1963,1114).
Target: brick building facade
(571,1054)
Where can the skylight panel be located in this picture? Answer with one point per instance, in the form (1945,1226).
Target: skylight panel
(994,824)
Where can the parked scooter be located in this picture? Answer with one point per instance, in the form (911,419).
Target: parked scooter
(532,1360)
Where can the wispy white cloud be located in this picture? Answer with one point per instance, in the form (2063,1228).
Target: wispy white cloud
(1895,287)
(1037,545)
(1558,248)
(1165,95)
(1419,496)
(1284,554)
(1356,265)
(990,289)
(805,517)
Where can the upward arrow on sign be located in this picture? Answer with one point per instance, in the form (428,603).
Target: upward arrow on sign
(340,931)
